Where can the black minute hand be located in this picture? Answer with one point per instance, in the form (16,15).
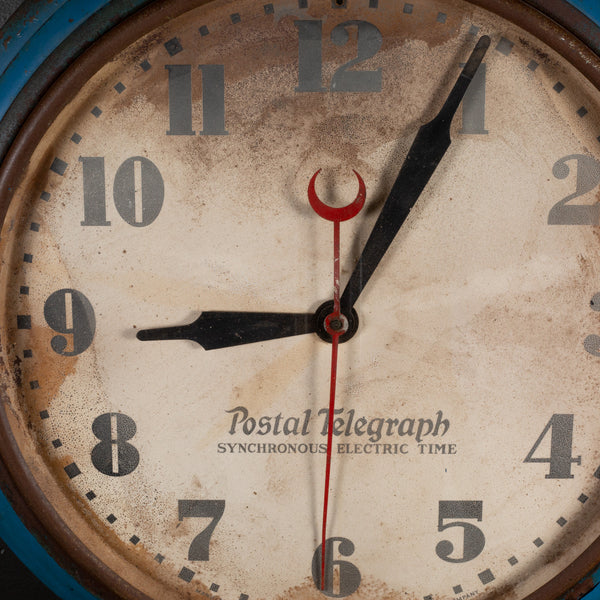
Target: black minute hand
(430,145)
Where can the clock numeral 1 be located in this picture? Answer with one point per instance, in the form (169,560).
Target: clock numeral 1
(138,191)
(342,578)
(310,60)
(70,313)
(207,509)
(180,100)
(561,447)
(114,455)
(473,540)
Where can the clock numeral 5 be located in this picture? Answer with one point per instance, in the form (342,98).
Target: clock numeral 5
(197,509)
(473,540)
(347,576)
(180,100)
(138,191)
(561,447)
(70,313)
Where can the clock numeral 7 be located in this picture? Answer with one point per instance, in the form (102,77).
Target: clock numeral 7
(180,100)
(473,538)
(208,509)
(561,447)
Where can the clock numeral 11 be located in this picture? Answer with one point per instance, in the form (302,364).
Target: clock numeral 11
(180,100)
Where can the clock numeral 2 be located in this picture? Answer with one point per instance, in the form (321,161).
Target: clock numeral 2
(473,540)
(180,100)
(197,509)
(70,313)
(561,447)
(588,177)
(138,191)
(310,61)
(339,574)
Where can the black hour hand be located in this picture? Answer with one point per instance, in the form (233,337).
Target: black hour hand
(222,329)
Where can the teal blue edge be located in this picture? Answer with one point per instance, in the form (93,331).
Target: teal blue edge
(24,45)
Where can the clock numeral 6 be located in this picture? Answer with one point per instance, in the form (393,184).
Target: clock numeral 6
(114,456)
(201,509)
(138,191)
(561,447)
(347,578)
(70,313)
(473,538)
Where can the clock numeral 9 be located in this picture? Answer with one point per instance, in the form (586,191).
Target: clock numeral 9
(180,100)
(561,447)
(587,178)
(114,456)
(201,509)
(70,313)
(473,540)
(138,191)
(310,61)
(347,579)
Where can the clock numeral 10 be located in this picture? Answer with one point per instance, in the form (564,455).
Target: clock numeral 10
(561,447)
(180,100)
(138,191)
(342,578)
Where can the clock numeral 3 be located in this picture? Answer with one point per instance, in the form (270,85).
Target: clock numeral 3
(310,60)
(114,456)
(473,540)
(197,509)
(69,312)
(180,100)
(347,579)
(561,447)
(588,177)
(138,191)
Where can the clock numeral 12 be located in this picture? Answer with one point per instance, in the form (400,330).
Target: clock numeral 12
(138,191)
(180,100)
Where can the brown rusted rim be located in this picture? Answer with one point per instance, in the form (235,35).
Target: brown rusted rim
(18,481)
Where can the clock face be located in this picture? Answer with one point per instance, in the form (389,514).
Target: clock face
(465,452)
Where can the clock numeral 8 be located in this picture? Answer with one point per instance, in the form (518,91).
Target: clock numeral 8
(114,456)
(347,577)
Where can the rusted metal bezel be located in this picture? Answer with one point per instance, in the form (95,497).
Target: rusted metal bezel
(17,480)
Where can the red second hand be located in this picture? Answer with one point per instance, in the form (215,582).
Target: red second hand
(335,325)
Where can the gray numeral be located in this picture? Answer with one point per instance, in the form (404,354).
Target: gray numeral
(180,100)
(561,447)
(473,540)
(114,455)
(310,60)
(138,191)
(588,177)
(340,574)
(210,509)
(70,313)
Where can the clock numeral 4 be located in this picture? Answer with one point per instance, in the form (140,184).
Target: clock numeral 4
(180,100)
(70,313)
(342,578)
(138,191)
(561,447)
(473,538)
(201,509)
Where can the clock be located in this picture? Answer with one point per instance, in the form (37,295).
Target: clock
(211,391)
